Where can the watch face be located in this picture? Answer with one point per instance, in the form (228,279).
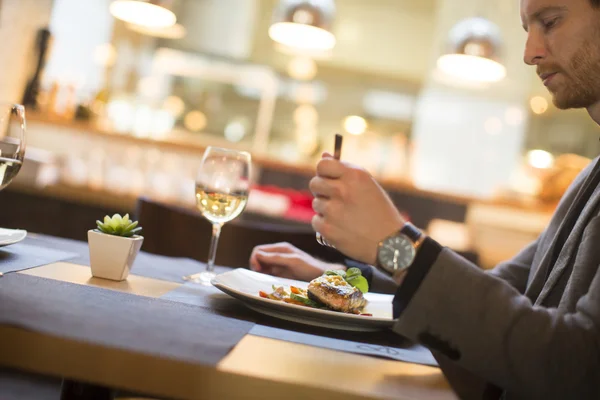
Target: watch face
(396,253)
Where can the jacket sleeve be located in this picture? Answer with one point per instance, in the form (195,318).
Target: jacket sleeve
(486,326)
(516,271)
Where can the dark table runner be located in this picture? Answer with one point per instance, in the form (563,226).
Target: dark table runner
(384,343)
(17,385)
(89,314)
(381,344)
(23,255)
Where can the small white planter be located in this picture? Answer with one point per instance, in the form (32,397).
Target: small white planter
(111,257)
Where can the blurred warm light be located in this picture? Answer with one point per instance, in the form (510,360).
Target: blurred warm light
(176,31)
(471,68)
(307,140)
(539,105)
(149,87)
(493,126)
(306,115)
(120,113)
(355,125)
(302,68)
(302,36)
(142,13)
(235,131)
(306,93)
(195,121)
(174,105)
(105,55)
(514,116)
(540,159)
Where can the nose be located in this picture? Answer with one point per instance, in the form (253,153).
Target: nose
(535,49)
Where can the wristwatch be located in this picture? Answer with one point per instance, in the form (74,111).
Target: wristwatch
(397,252)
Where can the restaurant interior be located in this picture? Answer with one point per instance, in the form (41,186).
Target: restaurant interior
(122,100)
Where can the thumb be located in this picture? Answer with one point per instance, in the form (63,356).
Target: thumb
(326,154)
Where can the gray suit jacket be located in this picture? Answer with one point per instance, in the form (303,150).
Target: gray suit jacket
(528,327)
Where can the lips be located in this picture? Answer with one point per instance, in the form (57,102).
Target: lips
(547,77)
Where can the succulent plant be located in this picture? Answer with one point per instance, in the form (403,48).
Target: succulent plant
(119,226)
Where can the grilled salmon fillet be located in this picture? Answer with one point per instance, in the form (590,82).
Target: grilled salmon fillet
(337,294)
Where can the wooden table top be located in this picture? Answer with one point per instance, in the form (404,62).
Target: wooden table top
(256,368)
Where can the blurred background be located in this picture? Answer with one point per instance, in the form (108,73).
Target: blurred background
(432,97)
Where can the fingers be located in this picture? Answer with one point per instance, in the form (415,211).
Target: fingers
(318,224)
(322,224)
(330,168)
(283,247)
(321,205)
(277,264)
(283,260)
(322,187)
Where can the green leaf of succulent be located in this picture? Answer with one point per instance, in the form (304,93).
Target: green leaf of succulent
(115,221)
(118,226)
(131,226)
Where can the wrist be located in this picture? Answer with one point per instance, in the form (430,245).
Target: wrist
(397,252)
(373,259)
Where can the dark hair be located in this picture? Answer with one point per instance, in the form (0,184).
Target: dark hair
(595,3)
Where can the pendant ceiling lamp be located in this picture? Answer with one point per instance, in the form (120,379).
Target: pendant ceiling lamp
(149,14)
(304,24)
(176,31)
(474,52)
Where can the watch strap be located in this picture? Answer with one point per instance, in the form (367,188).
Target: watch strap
(416,274)
(412,232)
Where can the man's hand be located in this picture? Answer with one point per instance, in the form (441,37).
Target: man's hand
(353,212)
(287,261)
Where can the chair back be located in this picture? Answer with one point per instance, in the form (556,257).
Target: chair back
(180,232)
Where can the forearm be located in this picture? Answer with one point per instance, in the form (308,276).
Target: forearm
(488,327)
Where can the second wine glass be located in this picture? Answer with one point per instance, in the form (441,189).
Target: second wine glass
(12,141)
(222,187)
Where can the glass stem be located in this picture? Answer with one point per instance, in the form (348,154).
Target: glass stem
(212,252)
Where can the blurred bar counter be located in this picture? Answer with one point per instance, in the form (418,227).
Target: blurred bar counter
(77,172)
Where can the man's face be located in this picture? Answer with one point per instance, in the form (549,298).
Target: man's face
(564,43)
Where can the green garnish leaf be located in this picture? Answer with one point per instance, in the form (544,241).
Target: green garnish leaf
(338,272)
(359,282)
(353,272)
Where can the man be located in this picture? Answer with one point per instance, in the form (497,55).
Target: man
(531,326)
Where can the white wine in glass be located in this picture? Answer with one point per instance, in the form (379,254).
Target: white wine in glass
(222,186)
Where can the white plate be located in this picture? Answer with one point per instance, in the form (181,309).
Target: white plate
(244,285)
(11,236)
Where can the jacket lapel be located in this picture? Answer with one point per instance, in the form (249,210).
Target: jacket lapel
(539,283)
(565,258)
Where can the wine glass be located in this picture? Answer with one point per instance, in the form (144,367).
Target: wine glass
(12,141)
(222,186)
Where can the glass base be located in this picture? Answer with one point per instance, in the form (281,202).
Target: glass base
(202,278)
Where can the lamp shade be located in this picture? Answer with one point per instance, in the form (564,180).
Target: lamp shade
(304,24)
(149,14)
(474,52)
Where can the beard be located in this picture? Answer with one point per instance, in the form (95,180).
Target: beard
(582,86)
